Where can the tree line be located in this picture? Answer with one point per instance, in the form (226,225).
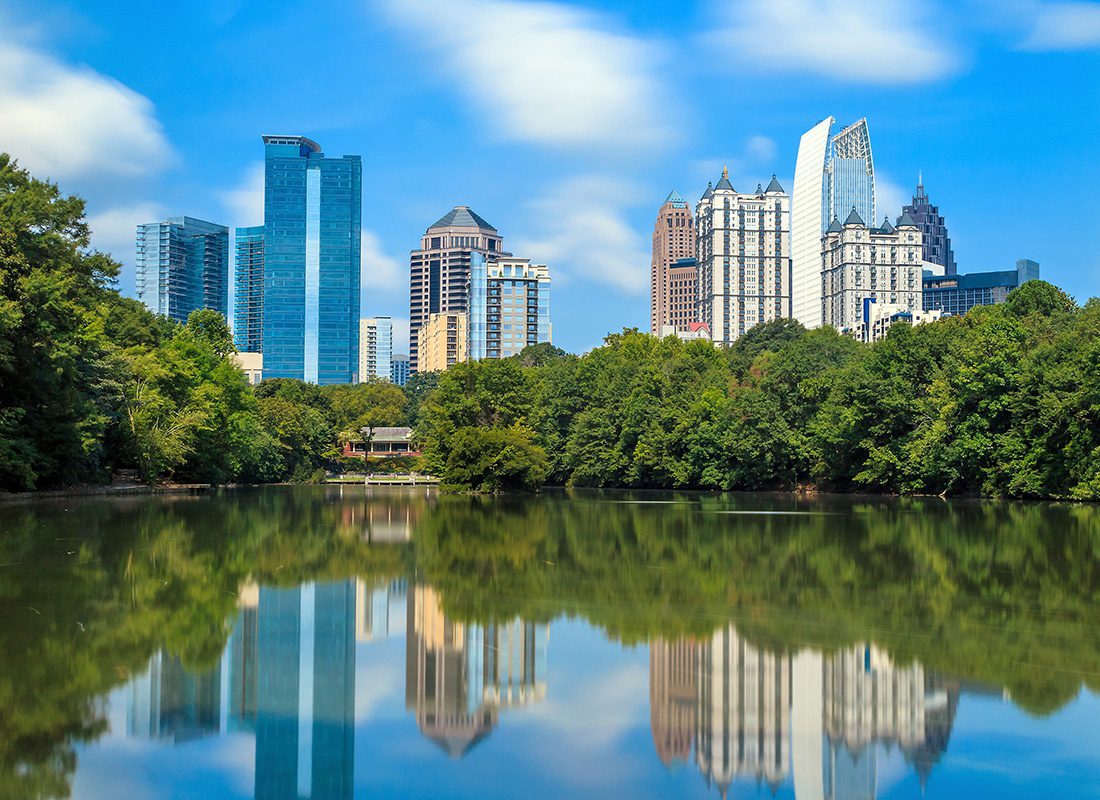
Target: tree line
(92,382)
(1004,401)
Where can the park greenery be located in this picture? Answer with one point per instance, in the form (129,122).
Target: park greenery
(1004,401)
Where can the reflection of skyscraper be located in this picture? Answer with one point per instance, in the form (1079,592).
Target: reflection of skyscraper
(743,723)
(306,709)
(458,676)
(242,667)
(171,703)
(379,610)
(672,698)
(751,713)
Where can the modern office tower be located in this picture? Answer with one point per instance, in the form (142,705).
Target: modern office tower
(832,175)
(742,244)
(312,240)
(744,712)
(936,243)
(673,698)
(399,369)
(957,294)
(860,263)
(459,676)
(305,720)
(248,290)
(673,247)
(509,306)
(183,265)
(442,341)
(439,272)
(375,348)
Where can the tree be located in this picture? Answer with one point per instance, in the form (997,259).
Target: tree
(494,460)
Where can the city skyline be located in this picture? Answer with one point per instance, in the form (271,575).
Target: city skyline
(944,91)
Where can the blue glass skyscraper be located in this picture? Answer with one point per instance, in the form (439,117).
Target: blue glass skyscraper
(248,296)
(183,265)
(312,231)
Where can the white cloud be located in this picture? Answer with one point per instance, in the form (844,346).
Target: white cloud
(581,232)
(400,335)
(63,122)
(245,203)
(1063,26)
(545,73)
(889,198)
(858,41)
(762,148)
(379,271)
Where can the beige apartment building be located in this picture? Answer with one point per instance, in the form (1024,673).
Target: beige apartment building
(673,275)
(442,341)
(860,263)
(743,257)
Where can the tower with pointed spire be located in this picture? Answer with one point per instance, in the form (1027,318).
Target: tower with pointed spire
(672,274)
(862,263)
(936,242)
(743,254)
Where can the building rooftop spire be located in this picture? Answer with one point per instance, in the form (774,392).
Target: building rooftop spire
(724,183)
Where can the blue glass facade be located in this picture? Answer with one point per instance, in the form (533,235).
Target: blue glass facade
(248,294)
(312,232)
(849,186)
(399,370)
(957,294)
(509,306)
(182,266)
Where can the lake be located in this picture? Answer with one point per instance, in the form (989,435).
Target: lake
(339,642)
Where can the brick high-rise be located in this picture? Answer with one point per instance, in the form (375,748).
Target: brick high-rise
(439,272)
(672,291)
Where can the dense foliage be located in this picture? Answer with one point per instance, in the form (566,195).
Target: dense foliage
(1003,401)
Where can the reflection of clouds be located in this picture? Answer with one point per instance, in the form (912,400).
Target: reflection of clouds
(123,768)
(376,683)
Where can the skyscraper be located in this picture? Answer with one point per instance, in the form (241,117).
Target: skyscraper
(439,272)
(936,243)
(442,341)
(509,306)
(312,239)
(183,265)
(399,370)
(248,294)
(742,245)
(864,263)
(375,348)
(832,175)
(672,277)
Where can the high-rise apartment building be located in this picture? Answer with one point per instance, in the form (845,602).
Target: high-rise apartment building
(375,348)
(742,245)
(399,369)
(865,263)
(673,274)
(312,233)
(833,175)
(439,272)
(509,306)
(182,266)
(933,228)
(442,341)
(956,294)
(248,291)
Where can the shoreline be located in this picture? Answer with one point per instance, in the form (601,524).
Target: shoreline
(106,491)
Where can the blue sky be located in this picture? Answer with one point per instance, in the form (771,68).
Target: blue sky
(564,124)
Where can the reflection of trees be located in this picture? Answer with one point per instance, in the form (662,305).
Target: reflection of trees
(92,589)
(999,593)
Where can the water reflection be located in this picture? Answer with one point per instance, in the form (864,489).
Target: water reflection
(810,655)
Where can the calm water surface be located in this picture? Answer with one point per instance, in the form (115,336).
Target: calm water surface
(338,643)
